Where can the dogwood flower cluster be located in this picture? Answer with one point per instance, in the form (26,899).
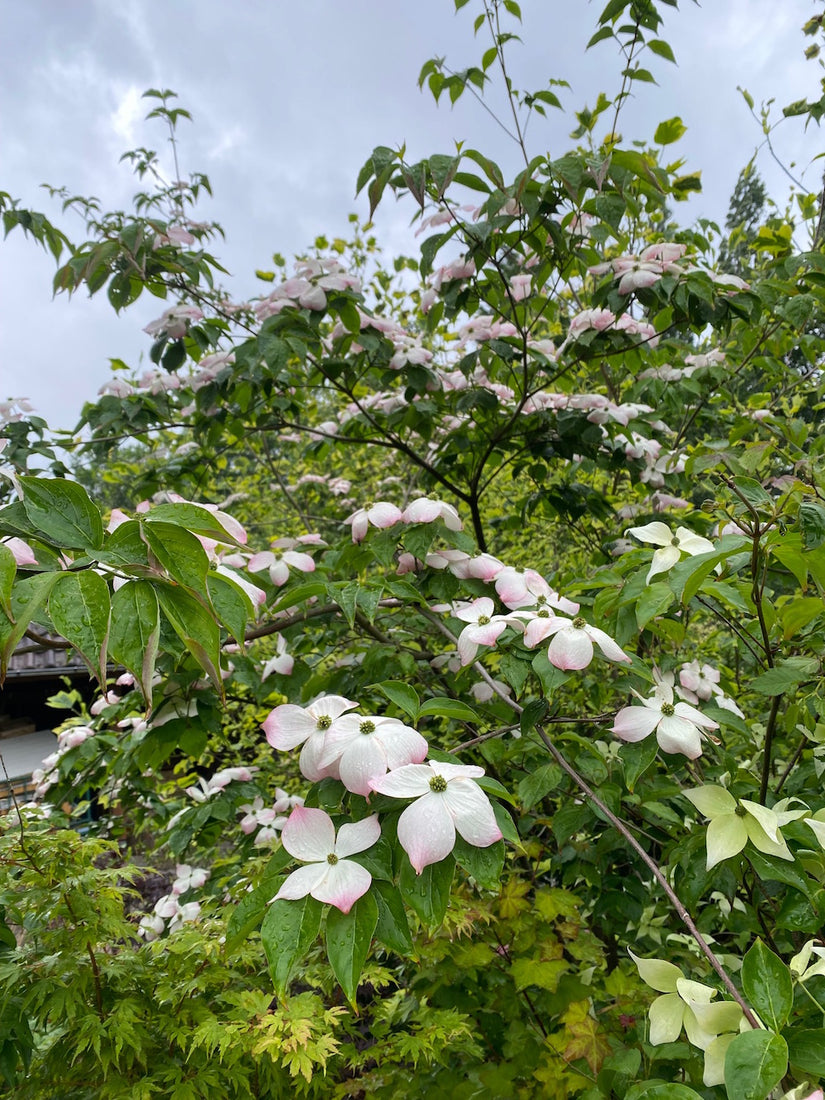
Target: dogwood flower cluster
(174,322)
(671,547)
(533,612)
(288,557)
(308,288)
(267,821)
(14,409)
(372,753)
(678,726)
(208,788)
(48,774)
(701,682)
(708,1024)
(383,514)
(733,822)
(170,909)
(646,269)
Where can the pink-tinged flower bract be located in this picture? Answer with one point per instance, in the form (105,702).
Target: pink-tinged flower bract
(572,646)
(367,747)
(329,877)
(288,726)
(446,800)
(677,725)
(381,514)
(670,545)
(483,626)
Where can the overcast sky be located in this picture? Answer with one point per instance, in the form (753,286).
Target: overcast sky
(288,101)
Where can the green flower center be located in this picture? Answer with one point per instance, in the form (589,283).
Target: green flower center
(438,784)
(541,600)
(740,811)
(579,623)
(543,614)
(367,727)
(483,620)
(674,542)
(332,859)
(324,722)
(668,709)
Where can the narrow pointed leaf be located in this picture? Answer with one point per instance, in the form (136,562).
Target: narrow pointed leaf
(63,512)
(428,894)
(136,632)
(80,607)
(392,929)
(195,627)
(27,599)
(8,571)
(348,937)
(232,606)
(288,931)
(767,985)
(179,552)
(755,1063)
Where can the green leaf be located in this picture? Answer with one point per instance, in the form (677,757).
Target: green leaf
(505,823)
(535,786)
(232,605)
(800,611)
(600,36)
(755,1063)
(346,596)
(125,547)
(192,517)
(812,522)
(767,984)
(806,1049)
(80,607)
(27,598)
(532,714)
(551,678)
(195,627)
(770,869)
(661,1090)
(686,577)
(754,493)
(8,571)
(669,131)
(404,696)
(250,910)
(428,894)
(443,707)
(618,1072)
(483,864)
(179,552)
(661,49)
(288,931)
(392,929)
(63,512)
(785,675)
(514,671)
(135,632)
(348,937)
(655,599)
(636,759)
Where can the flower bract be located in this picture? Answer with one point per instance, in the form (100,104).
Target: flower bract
(447,800)
(328,876)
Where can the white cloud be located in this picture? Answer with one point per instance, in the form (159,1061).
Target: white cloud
(127,114)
